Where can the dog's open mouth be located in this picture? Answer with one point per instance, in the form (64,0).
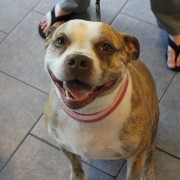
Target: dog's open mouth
(76,94)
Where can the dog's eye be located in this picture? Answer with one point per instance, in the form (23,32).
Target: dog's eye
(60,41)
(107,48)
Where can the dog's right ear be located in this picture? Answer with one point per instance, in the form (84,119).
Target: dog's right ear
(132,46)
(49,34)
(50,31)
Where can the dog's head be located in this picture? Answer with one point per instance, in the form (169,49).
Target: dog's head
(86,60)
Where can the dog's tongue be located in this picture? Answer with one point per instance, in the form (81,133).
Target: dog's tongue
(77,89)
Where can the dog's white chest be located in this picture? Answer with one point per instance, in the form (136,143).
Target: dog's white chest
(95,140)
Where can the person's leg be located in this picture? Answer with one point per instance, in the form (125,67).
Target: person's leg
(64,7)
(167,13)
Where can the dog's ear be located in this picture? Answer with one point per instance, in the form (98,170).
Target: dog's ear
(50,31)
(49,34)
(132,46)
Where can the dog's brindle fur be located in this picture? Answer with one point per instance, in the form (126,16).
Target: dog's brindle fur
(128,132)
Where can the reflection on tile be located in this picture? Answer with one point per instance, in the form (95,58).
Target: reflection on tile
(140,10)
(37,160)
(168,136)
(20,107)
(13,12)
(22,54)
(151,48)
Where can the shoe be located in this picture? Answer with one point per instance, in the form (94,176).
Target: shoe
(176,49)
(54,19)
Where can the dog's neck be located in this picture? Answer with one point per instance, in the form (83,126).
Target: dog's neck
(100,107)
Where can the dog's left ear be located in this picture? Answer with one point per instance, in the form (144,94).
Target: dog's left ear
(132,46)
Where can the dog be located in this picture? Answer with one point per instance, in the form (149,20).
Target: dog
(103,102)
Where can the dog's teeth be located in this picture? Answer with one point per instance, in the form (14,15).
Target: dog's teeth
(66,93)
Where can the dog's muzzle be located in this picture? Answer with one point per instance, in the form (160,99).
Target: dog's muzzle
(74,87)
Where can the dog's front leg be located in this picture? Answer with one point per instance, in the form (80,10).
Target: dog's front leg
(77,172)
(135,166)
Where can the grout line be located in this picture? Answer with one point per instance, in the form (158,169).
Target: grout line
(167,87)
(28,12)
(18,146)
(139,19)
(133,17)
(46,142)
(36,11)
(165,152)
(3,32)
(98,169)
(23,82)
(61,151)
(121,168)
(118,12)
(52,145)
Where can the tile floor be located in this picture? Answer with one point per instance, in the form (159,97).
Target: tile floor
(26,150)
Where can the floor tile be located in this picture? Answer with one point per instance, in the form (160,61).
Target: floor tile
(166,167)
(45,5)
(168,136)
(109,167)
(140,10)
(152,50)
(22,54)
(13,13)
(37,160)
(20,107)
(93,174)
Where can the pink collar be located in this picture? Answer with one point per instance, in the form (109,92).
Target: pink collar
(98,116)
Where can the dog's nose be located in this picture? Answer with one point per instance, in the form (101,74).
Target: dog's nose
(78,62)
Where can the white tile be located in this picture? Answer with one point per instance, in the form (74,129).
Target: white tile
(12,13)
(140,9)
(22,54)
(20,108)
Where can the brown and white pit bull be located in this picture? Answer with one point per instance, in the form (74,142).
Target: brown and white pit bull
(103,102)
